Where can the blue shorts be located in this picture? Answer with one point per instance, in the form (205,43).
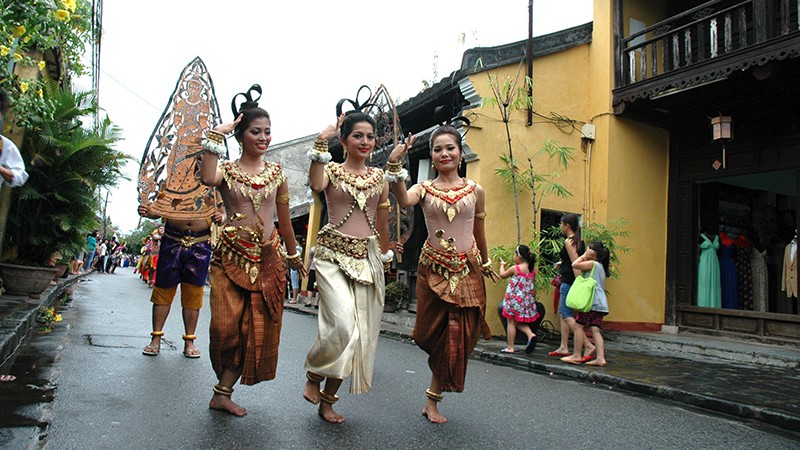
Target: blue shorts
(295,278)
(562,302)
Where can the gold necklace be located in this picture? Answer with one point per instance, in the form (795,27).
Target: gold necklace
(255,187)
(361,187)
(449,200)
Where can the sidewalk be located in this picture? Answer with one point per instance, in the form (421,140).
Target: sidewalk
(747,380)
(18,316)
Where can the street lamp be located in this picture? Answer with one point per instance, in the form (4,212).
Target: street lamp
(722,130)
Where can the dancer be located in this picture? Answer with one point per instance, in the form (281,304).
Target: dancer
(573,245)
(519,303)
(596,261)
(451,296)
(351,254)
(184,252)
(248,279)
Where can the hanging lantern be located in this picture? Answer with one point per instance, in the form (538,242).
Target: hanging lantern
(722,130)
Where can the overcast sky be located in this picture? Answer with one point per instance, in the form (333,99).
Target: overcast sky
(306,55)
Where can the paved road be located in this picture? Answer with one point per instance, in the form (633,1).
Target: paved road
(111,396)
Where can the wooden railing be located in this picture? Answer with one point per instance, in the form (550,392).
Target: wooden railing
(711,30)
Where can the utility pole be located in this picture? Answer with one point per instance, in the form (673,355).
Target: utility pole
(105,216)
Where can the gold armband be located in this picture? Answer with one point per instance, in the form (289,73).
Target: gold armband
(282,199)
(481,215)
(385,205)
(215,136)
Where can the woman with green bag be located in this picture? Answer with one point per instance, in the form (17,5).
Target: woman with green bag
(595,261)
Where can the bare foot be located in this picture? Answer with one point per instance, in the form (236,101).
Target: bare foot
(588,351)
(311,392)
(597,362)
(327,413)
(431,411)
(224,403)
(572,359)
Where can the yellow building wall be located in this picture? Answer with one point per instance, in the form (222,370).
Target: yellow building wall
(560,86)
(628,171)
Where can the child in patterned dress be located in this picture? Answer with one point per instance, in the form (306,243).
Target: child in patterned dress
(519,303)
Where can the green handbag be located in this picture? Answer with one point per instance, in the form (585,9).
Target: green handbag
(581,294)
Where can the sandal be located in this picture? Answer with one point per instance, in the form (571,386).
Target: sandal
(7,378)
(194,353)
(152,350)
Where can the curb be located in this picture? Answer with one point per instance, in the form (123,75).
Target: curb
(15,328)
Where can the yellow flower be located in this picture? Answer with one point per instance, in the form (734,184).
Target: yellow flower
(17,57)
(61,15)
(23,86)
(70,4)
(40,93)
(4,51)
(18,30)
(41,65)
(26,39)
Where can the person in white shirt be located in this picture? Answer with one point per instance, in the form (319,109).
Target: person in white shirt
(12,168)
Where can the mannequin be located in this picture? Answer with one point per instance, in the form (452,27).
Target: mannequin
(789,277)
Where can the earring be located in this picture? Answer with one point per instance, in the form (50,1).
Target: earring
(432,166)
(241,147)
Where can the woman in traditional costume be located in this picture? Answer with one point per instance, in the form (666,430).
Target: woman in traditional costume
(451,296)
(248,280)
(351,252)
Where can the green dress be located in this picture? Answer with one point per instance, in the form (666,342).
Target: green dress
(709,292)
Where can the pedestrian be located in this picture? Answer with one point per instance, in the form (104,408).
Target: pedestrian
(313,294)
(247,277)
(573,246)
(451,296)
(519,303)
(102,249)
(294,274)
(351,253)
(12,166)
(91,250)
(184,252)
(598,258)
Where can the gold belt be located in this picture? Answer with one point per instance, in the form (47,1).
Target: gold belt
(246,254)
(451,265)
(188,241)
(342,243)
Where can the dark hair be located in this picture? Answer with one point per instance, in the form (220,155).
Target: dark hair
(572,221)
(5,102)
(351,118)
(524,252)
(449,130)
(603,256)
(248,109)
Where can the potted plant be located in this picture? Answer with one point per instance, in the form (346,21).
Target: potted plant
(66,164)
(396,293)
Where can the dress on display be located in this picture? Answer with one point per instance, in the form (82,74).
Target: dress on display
(727,271)
(708,279)
(744,273)
(758,264)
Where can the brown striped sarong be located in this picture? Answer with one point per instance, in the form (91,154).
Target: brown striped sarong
(246,317)
(449,323)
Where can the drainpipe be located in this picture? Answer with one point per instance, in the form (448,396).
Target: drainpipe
(530,60)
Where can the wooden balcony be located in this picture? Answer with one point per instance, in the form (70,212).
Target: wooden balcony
(704,44)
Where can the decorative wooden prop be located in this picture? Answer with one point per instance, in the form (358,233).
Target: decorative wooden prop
(169,174)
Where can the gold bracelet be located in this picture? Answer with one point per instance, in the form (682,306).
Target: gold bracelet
(215,136)
(385,205)
(282,199)
(321,145)
(481,215)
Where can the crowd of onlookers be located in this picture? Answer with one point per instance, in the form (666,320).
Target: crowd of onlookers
(103,255)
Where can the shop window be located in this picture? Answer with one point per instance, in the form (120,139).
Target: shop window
(753,220)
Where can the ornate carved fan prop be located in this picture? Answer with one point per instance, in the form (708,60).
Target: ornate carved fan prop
(169,174)
(388,134)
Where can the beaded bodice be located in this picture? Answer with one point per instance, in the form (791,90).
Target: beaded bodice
(250,200)
(352,200)
(449,215)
